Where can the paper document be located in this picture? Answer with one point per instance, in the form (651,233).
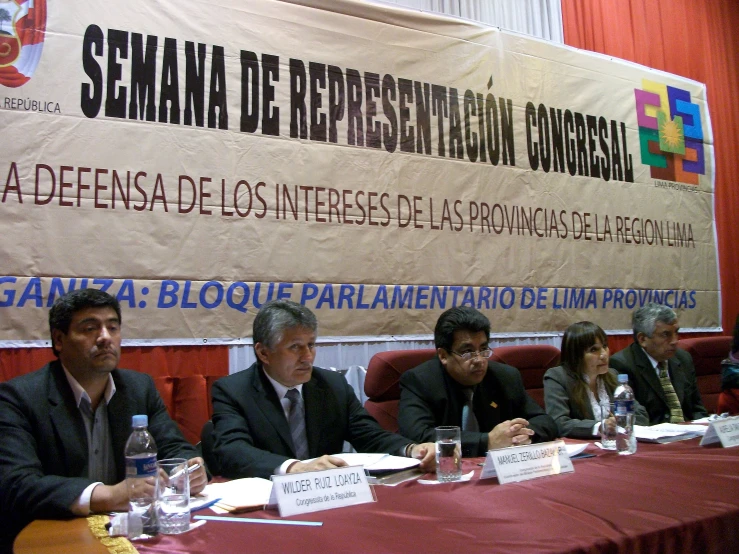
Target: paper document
(378,463)
(575,449)
(681,428)
(238,495)
(666,432)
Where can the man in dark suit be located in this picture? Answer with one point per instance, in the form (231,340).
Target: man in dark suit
(64,426)
(462,387)
(282,409)
(662,376)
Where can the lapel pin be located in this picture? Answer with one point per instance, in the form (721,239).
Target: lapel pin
(493,404)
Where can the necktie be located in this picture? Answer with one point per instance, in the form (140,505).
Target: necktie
(676,412)
(469,421)
(296,421)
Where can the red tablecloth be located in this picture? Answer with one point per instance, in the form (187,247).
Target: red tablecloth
(677,497)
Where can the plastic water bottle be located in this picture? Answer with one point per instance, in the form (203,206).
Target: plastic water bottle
(623,400)
(141,463)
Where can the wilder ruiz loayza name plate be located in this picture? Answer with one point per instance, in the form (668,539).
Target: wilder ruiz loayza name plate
(521,463)
(302,493)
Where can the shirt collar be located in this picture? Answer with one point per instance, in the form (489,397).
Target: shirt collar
(281,389)
(80,393)
(655,363)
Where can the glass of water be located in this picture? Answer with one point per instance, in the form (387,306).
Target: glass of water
(608,429)
(448,454)
(173,496)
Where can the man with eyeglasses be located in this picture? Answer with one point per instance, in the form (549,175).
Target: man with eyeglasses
(662,375)
(462,387)
(284,415)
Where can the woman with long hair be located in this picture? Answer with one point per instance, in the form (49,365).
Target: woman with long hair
(575,391)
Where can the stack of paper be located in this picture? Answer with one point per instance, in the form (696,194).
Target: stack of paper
(378,464)
(668,432)
(239,495)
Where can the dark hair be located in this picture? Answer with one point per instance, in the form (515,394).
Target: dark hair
(735,342)
(64,308)
(645,319)
(276,316)
(455,319)
(575,342)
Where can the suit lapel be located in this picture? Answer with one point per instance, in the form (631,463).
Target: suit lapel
(455,398)
(315,398)
(267,402)
(648,373)
(67,422)
(120,413)
(488,402)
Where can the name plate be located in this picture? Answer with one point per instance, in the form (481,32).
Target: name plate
(521,463)
(724,430)
(302,493)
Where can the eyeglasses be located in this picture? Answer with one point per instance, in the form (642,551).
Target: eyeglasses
(467,356)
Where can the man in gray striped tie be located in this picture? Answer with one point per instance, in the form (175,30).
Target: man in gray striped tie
(284,415)
(661,374)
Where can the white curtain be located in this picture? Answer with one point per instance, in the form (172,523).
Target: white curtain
(538,18)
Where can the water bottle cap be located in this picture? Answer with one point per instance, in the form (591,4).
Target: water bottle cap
(140,420)
(623,378)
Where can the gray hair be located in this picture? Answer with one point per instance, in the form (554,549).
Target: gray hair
(276,316)
(645,319)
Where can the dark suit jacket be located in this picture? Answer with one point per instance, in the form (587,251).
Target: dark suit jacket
(43,444)
(252,436)
(429,397)
(634,362)
(571,420)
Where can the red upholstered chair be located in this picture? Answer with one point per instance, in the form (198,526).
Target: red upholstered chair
(532,360)
(381,385)
(707,353)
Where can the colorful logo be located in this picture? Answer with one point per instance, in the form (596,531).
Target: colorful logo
(670,133)
(22,27)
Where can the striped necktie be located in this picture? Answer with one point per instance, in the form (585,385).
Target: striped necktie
(676,411)
(469,420)
(296,421)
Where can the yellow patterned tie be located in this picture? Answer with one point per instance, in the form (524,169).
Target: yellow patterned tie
(676,412)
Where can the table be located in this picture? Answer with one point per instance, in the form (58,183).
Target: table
(58,537)
(668,498)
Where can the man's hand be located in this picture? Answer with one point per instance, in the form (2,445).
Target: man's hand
(324,462)
(114,498)
(198,478)
(425,452)
(512,432)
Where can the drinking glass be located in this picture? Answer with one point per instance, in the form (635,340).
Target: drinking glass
(608,433)
(448,454)
(173,496)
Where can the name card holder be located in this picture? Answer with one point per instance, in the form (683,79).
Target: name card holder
(725,431)
(314,491)
(521,463)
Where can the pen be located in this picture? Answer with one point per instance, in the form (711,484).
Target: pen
(188,469)
(206,505)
